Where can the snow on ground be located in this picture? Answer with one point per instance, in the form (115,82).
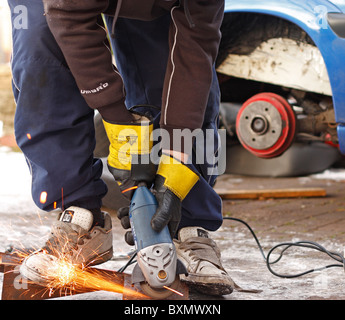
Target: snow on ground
(331,174)
(18,224)
(13,169)
(22,223)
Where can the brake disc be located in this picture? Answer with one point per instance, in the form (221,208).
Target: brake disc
(266,125)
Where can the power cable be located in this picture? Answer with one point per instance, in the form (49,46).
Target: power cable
(304,244)
(286,245)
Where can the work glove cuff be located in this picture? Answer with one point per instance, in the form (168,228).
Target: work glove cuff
(178,177)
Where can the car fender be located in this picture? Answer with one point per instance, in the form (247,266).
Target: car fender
(311,16)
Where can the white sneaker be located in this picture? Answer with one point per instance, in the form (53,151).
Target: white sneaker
(72,240)
(201,256)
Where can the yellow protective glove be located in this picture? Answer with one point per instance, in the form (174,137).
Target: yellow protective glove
(173,182)
(129,153)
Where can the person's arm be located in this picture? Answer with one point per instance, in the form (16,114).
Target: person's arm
(194,41)
(79,31)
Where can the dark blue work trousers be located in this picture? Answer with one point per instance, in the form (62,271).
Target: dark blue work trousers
(54,126)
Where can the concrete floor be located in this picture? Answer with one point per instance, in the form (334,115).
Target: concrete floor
(273,220)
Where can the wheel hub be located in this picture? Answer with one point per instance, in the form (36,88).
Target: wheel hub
(266,125)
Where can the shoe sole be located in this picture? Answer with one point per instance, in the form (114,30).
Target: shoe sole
(211,289)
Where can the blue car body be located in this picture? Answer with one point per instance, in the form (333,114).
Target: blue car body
(313,17)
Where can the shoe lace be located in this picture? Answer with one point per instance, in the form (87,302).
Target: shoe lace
(202,249)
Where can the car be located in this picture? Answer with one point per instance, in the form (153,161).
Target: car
(282,78)
(280,67)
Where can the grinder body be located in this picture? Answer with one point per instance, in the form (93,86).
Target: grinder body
(156,254)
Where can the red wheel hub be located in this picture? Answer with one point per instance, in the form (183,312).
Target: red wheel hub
(266,125)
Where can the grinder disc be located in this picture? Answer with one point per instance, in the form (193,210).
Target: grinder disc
(160,293)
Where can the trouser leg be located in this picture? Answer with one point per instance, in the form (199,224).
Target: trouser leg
(141,52)
(143,76)
(53,124)
(203,206)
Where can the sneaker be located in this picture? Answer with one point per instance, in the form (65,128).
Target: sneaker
(73,240)
(201,256)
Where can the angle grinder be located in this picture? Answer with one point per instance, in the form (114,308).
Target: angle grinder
(157,265)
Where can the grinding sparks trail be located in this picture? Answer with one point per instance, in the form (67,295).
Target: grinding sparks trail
(43,197)
(173,290)
(66,278)
(67,275)
(60,275)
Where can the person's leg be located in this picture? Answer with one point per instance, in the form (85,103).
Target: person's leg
(141,51)
(54,128)
(53,123)
(202,208)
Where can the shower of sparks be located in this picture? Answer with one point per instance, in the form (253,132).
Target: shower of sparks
(60,273)
(68,277)
(64,276)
